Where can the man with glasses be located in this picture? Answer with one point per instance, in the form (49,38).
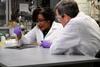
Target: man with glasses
(81,33)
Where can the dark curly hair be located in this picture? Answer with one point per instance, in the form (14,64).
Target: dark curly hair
(47,13)
(35,14)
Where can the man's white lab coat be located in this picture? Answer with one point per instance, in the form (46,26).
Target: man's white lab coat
(36,35)
(80,36)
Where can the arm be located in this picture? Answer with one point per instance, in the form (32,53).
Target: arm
(29,37)
(68,38)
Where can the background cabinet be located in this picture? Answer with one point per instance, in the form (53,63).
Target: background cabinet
(2,13)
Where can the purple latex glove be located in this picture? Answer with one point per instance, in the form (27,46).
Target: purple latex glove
(17,31)
(45,44)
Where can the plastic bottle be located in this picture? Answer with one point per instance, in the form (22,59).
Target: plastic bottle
(2,43)
(3,39)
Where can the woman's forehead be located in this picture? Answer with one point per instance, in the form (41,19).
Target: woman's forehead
(40,16)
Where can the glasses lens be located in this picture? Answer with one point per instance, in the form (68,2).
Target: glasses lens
(41,20)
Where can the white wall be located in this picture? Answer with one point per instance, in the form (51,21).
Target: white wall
(83,6)
(86,7)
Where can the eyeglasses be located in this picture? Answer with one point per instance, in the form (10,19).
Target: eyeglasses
(40,20)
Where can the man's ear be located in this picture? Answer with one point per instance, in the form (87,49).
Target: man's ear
(63,15)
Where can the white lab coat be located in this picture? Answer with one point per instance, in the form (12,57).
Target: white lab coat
(36,35)
(80,36)
(11,32)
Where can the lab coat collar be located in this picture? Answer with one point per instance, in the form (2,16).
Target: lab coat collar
(53,27)
(80,14)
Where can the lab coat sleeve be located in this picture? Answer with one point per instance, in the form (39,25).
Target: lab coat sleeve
(54,32)
(29,37)
(68,38)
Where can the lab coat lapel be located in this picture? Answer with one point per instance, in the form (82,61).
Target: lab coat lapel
(39,35)
(51,30)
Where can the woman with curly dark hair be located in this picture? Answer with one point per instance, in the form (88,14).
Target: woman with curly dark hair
(46,28)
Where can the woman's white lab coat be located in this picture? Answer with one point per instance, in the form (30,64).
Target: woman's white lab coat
(36,35)
(80,36)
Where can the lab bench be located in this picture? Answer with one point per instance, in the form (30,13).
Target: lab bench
(40,57)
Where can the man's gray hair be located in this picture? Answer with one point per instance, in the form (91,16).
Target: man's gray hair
(68,7)
(63,1)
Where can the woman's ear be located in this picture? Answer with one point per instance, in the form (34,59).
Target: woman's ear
(48,21)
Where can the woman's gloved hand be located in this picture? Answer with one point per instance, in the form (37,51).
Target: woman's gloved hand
(45,44)
(17,31)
